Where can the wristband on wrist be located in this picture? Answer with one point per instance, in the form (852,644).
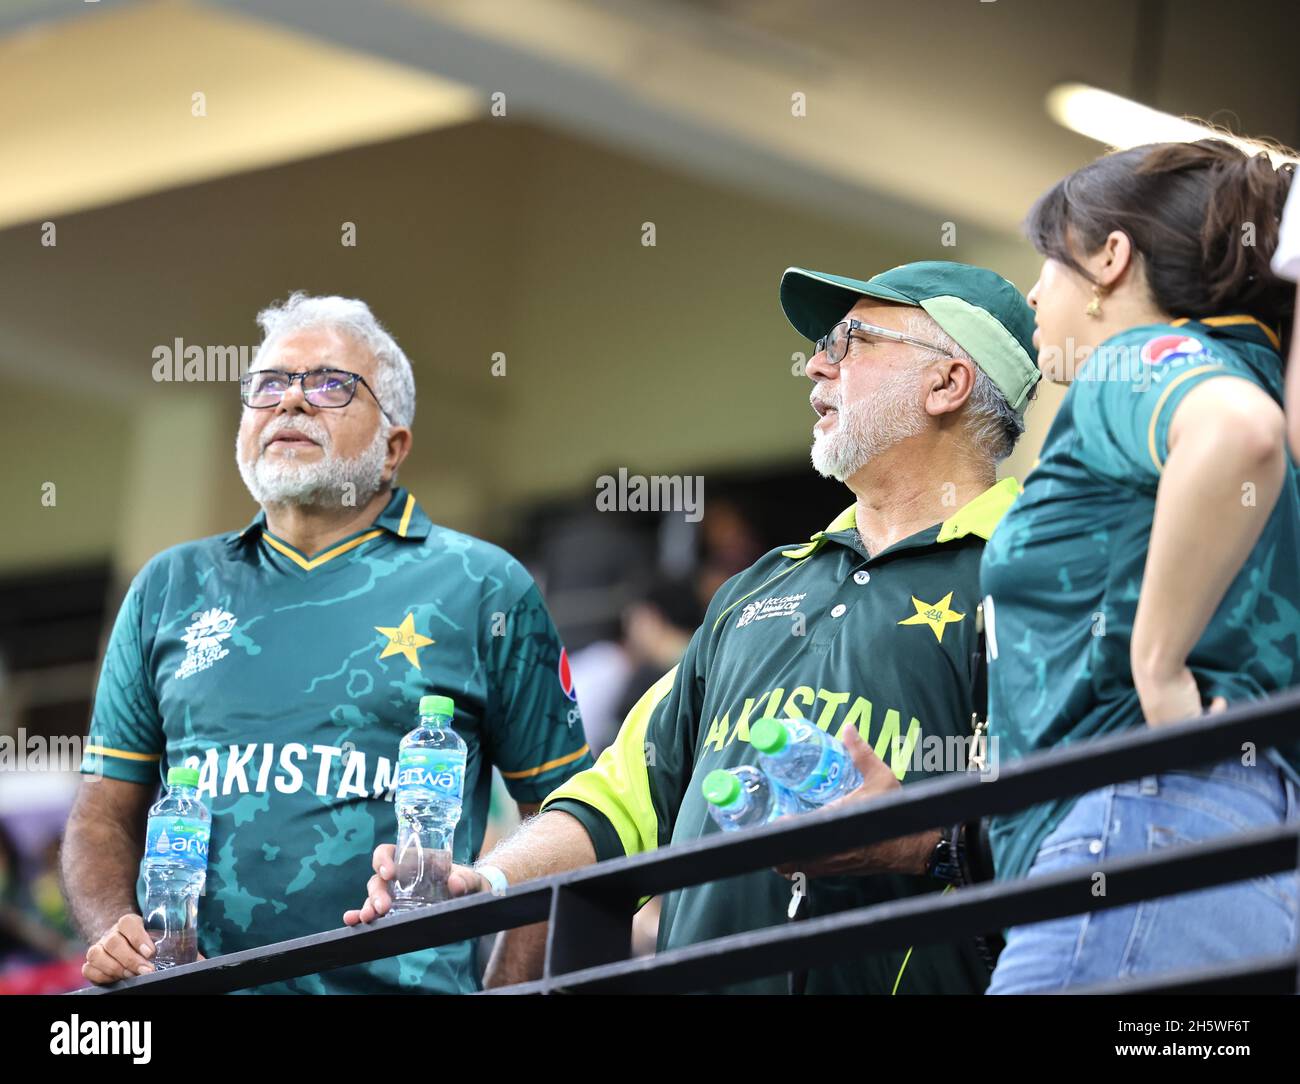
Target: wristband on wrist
(497,881)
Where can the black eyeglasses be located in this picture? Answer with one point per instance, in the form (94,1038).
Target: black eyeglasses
(836,341)
(328,388)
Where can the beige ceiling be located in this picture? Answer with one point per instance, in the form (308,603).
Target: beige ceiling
(918,112)
(937,103)
(99,108)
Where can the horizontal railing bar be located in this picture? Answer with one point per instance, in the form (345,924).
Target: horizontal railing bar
(393,935)
(941,918)
(537,986)
(1258,975)
(956,798)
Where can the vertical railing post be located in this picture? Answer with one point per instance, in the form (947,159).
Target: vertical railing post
(588,927)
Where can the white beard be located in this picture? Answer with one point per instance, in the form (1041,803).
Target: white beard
(324,482)
(865,430)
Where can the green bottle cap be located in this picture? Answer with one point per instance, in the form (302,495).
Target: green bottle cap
(437,705)
(185,777)
(768,735)
(721,788)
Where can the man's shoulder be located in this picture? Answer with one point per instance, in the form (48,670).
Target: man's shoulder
(482,553)
(772,564)
(774,561)
(1151,353)
(196,553)
(484,563)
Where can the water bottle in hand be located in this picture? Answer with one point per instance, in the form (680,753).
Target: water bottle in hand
(744,796)
(805,759)
(430,785)
(175,869)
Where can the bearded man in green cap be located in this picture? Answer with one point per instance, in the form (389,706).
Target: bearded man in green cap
(869,630)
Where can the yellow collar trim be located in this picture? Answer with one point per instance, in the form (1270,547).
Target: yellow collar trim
(980,516)
(302,562)
(406,516)
(1233,321)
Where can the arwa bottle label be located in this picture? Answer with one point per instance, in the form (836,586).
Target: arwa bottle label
(178,840)
(431,772)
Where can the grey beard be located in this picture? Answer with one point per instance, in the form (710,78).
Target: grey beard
(330,482)
(869,429)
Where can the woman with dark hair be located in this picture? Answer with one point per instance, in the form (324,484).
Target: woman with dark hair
(1150,571)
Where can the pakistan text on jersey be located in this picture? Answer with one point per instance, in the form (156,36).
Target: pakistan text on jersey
(335,771)
(901,750)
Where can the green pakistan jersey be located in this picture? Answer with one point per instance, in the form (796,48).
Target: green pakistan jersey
(288,682)
(886,643)
(1064,569)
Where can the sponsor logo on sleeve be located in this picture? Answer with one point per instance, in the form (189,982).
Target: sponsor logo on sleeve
(1165,348)
(566,676)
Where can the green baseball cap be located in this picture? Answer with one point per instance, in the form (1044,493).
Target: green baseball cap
(982,311)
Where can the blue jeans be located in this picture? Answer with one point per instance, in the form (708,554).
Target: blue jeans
(1215,925)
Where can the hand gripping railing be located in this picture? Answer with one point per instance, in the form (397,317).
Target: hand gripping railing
(590,910)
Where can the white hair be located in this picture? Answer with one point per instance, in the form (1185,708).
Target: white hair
(394,380)
(992,425)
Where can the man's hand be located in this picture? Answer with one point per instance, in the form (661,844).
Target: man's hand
(1172,698)
(911,854)
(122,952)
(462,881)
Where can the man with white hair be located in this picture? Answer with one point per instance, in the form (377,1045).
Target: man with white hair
(869,631)
(286,661)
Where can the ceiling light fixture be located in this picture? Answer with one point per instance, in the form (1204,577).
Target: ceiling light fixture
(1121,122)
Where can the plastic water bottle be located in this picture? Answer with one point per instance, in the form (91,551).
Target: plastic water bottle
(430,785)
(805,759)
(744,796)
(175,869)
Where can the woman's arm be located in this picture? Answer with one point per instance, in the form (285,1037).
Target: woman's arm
(1293,386)
(1221,479)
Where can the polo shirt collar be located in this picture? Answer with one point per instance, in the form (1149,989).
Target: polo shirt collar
(978,516)
(402,516)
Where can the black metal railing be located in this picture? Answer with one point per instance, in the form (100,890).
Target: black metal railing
(590,910)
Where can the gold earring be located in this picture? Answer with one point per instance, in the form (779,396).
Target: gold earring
(1094,306)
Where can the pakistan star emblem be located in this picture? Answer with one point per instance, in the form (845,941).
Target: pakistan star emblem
(404,640)
(936,615)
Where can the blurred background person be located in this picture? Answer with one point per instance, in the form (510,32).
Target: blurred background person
(611,676)
(39,951)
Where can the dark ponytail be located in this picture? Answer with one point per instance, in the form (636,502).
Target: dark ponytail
(1204,216)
